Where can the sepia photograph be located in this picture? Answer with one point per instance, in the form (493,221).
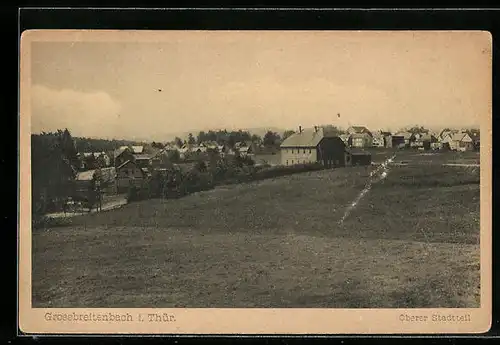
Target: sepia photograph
(248,173)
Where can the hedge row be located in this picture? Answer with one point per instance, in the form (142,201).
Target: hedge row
(175,184)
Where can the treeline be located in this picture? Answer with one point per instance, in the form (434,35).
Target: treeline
(175,183)
(54,165)
(229,138)
(101,145)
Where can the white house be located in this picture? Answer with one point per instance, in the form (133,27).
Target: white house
(312,145)
(378,140)
(461,142)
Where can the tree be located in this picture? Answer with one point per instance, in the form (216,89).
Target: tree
(191,139)
(200,165)
(100,161)
(288,133)
(157,145)
(174,156)
(271,139)
(51,172)
(256,139)
(68,148)
(332,130)
(178,142)
(201,137)
(90,162)
(418,130)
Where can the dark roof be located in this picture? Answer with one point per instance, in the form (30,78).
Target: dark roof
(120,150)
(125,163)
(406,135)
(361,129)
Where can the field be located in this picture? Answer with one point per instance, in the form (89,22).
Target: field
(412,240)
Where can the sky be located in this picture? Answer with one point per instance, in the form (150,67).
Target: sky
(107,86)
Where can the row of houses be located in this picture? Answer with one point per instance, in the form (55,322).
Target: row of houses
(87,160)
(134,164)
(457,140)
(243,148)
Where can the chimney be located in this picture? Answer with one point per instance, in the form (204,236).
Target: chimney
(300,129)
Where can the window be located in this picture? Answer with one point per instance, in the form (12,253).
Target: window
(292,161)
(309,151)
(304,151)
(287,162)
(292,150)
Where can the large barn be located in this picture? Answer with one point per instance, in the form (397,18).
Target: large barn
(312,145)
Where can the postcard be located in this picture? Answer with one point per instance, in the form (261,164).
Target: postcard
(255,182)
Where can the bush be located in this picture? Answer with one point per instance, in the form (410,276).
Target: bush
(200,166)
(276,171)
(135,193)
(44,222)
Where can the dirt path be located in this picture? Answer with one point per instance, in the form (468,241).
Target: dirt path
(110,204)
(376,175)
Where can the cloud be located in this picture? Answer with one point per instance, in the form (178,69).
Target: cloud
(83,113)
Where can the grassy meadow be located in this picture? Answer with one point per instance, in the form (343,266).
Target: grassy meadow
(411,241)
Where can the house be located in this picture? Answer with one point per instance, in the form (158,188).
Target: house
(137,150)
(143,160)
(445,141)
(361,140)
(245,148)
(105,179)
(359,136)
(428,141)
(105,157)
(98,159)
(445,132)
(402,139)
(185,150)
(345,138)
(378,140)
(312,145)
(415,140)
(223,149)
(210,145)
(360,157)
(461,142)
(157,157)
(129,174)
(200,148)
(475,136)
(387,138)
(398,140)
(171,147)
(122,154)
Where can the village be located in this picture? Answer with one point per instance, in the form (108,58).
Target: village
(257,171)
(113,173)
